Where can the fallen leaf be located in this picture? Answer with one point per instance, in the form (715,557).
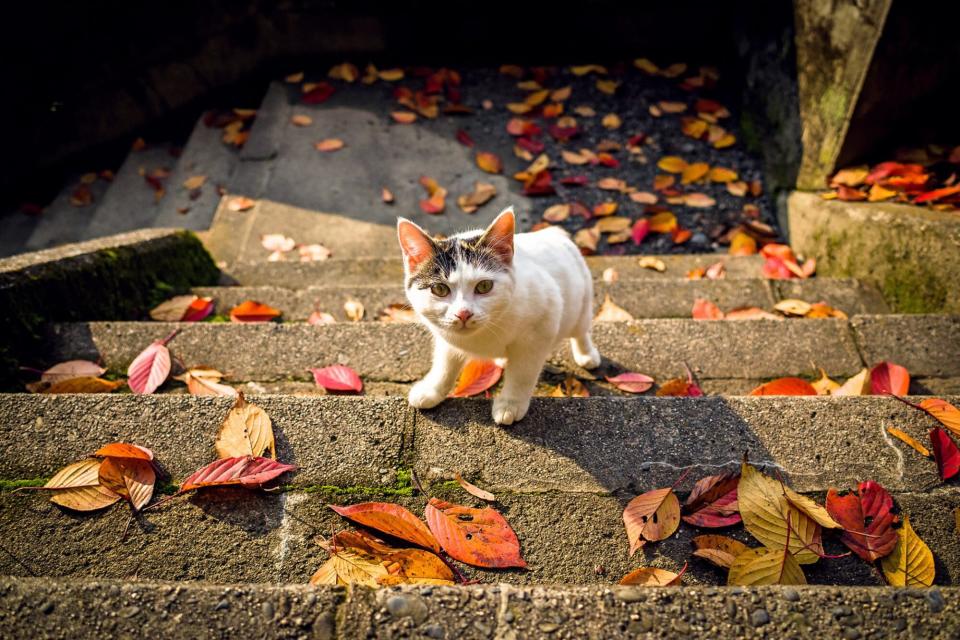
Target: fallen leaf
(946,413)
(888,377)
(698,200)
(317,93)
(866,518)
(662,182)
(693,127)
(718,550)
(464,138)
(129,478)
(612,184)
(80,384)
(694,172)
(194,182)
(910,564)
(672,164)
(712,502)
(651,516)
(793,307)
(244,471)
(489,162)
(946,453)
(763,566)
(751,313)
(150,369)
(179,308)
(824,385)
(391,519)
(204,381)
(329,144)
(337,377)
(724,175)
(611,121)
(557,213)
(301,120)
(643,197)
(631,382)
(852,177)
(765,510)
(909,441)
(321,317)
(608,87)
(476,377)
(638,232)
(241,204)
(724,141)
(479,537)
(706,310)
(350,566)
(346,72)
(77,486)
(858,385)
(277,242)
(587,239)
(246,431)
(397,312)
(742,244)
(482,193)
(878,193)
(785,387)
(610,275)
(401,117)
(613,224)
(72,369)
(253,311)
(653,577)
(386,195)
(570,388)
(663,222)
(605,209)
(610,312)
(473,489)
(738,188)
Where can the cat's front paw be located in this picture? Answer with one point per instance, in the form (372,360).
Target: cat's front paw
(589,360)
(508,411)
(424,395)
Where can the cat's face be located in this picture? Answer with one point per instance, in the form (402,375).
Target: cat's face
(459,285)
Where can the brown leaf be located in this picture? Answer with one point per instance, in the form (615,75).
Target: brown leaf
(482,193)
(130,478)
(473,489)
(611,312)
(653,577)
(570,388)
(651,516)
(718,550)
(246,431)
(77,486)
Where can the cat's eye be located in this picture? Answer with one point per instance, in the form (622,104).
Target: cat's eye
(484,286)
(440,290)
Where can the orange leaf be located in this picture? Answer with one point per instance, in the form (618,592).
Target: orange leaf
(663,222)
(570,388)
(480,537)
(722,174)
(693,127)
(82,384)
(489,162)
(706,310)
(130,478)
(253,311)
(785,387)
(643,197)
(724,141)
(699,200)
(477,376)
(693,172)
(605,209)
(946,413)
(742,244)
(651,516)
(330,144)
(909,440)
(473,489)
(653,577)
(124,450)
(672,164)
(391,519)
(738,188)
(662,182)
(403,117)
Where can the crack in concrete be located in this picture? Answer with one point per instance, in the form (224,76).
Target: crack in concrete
(886,438)
(282,550)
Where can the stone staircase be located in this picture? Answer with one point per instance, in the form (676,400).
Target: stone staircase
(235,563)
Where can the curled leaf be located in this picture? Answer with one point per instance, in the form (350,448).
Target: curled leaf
(244,471)
(651,516)
(476,377)
(718,550)
(391,519)
(130,478)
(473,489)
(888,377)
(77,486)
(653,577)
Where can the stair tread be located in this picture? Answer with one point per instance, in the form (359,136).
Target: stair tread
(61,222)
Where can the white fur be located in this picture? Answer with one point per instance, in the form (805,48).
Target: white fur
(544,297)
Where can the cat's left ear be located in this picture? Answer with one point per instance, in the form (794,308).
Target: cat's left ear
(499,235)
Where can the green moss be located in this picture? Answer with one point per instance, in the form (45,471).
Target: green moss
(911,288)
(10,485)
(402,487)
(217,318)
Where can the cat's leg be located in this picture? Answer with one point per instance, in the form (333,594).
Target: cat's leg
(585,353)
(525,362)
(439,381)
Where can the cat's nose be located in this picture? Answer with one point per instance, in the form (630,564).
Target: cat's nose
(464,315)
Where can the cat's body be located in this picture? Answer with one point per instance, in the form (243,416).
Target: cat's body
(504,296)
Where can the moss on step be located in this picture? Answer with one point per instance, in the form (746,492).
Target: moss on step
(12,485)
(121,282)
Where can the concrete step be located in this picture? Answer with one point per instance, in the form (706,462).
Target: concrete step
(130,202)
(17,227)
(62,222)
(929,346)
(33,607)
(204,154)
(643,298)
(592,445)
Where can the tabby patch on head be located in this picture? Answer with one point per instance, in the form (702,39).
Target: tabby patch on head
(452,253)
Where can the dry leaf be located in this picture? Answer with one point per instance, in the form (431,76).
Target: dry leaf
(910,564)
(329,144)
(477,376)
(653,577)
(77,486)
(246,431)
(610,312)
(473,489)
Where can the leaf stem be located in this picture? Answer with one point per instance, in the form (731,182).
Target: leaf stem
(170,337)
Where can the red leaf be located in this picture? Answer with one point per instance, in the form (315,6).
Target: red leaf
(337,378)
(198,310)
(149,369)
(946,454)
(785,387)
(852,512)
(246,471)
(124,450)
(480,537)
(464,138)
(562,134)
(713,502)
(575,181)
(608,160)
(319,94)
(640,230)
(531,145)
(706,310)
(477,376)
(937,194)
(776,269)
(887,377)
(886,170)
(631,382)
(391,519)
(540,185)
(253,311)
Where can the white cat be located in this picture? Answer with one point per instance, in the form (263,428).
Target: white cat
(491,294)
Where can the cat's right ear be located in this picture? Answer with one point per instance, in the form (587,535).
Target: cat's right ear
(416,244)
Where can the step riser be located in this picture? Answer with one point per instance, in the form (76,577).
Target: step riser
(642,298)
(657,347)
(591,444)
(240,536)
(165,610)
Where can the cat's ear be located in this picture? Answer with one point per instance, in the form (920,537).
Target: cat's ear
(499,235)
(415,243)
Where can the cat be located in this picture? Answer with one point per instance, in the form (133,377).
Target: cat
(492,294)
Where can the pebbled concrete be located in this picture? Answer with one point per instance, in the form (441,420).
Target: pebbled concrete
(162,609)
(927,345)
(847,294)
(342,441)
(401,352)
(579,444)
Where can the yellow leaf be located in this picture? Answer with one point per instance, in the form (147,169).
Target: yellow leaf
(742,244)
(909,440)
(652,577)
(83,384)
(537,97)
(349,566)
(910,564)
(611,121)
(77,487)
(610,312)
(824,385)
(489,162)
(858,385)
(570,388)
(651,516)
(663,222)
(613,224)
(793,307)
(763,507)
(724,141)
(879,194)
(672,164)
(354,310)
(246,431)
(561,94)
(587,239)
(765,566)
(584,69)
(608,87)
(722,174)
(391,75)
(646,66)
(718,550)
(693,172)
(850,177)
(650,262)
